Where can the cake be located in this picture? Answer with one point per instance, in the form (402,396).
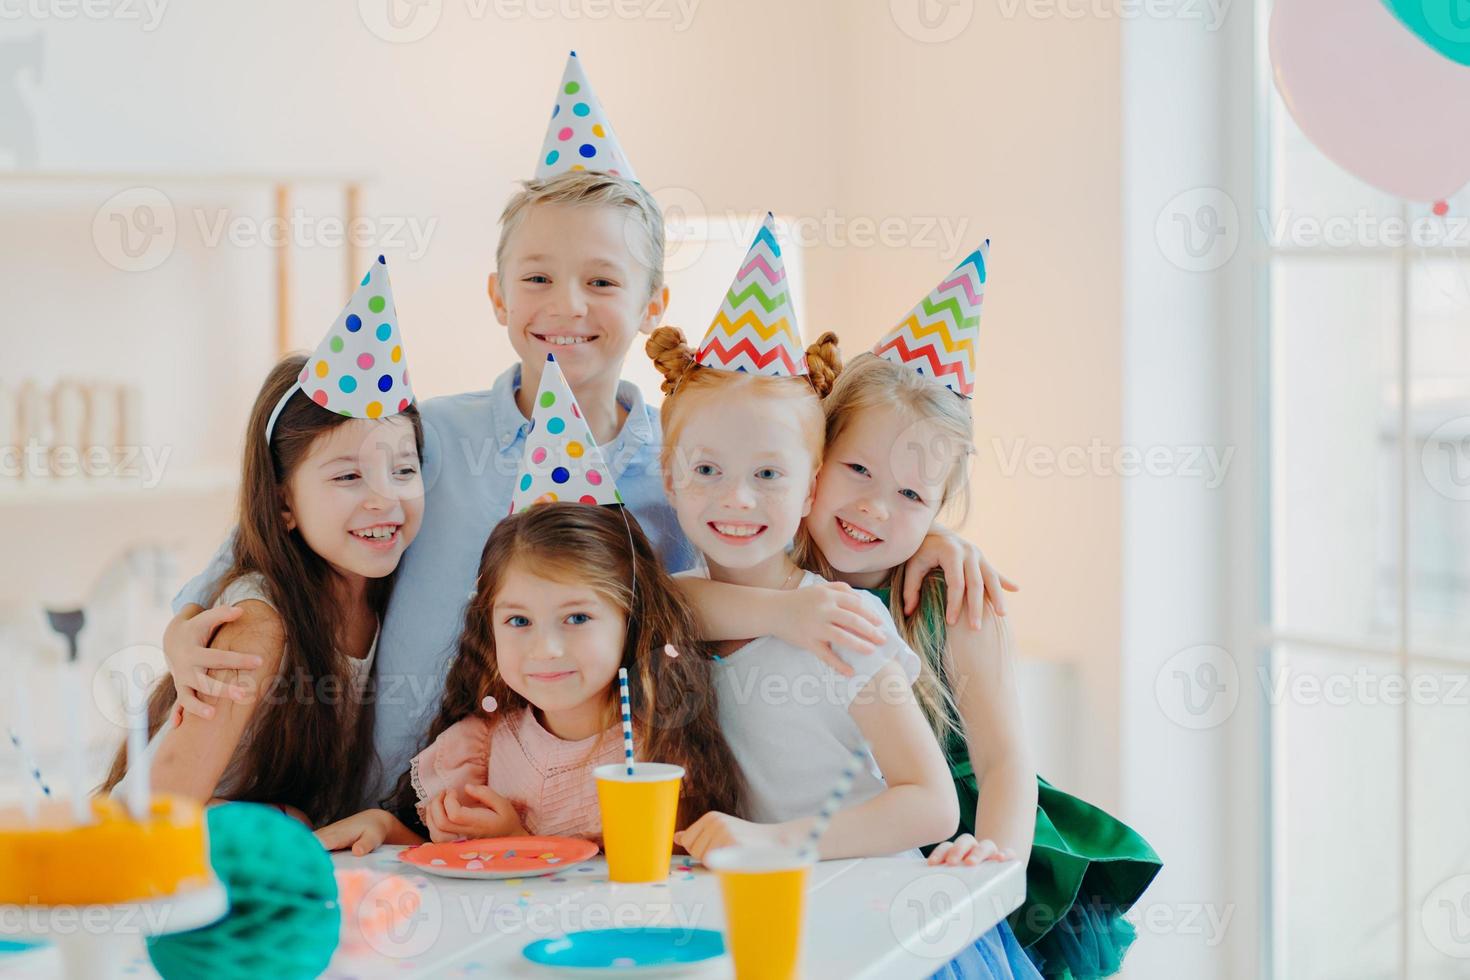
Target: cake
(114,859)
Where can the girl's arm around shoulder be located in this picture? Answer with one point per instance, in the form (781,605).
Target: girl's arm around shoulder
(820,618)
(193,756)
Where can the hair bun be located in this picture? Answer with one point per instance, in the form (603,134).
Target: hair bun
(672,355)
(824,363)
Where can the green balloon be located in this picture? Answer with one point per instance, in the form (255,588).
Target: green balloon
(1444,25)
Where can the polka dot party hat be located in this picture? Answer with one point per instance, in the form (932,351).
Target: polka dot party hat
(358,370)
(755,329)
(579,136)
(938,337)
(561,462)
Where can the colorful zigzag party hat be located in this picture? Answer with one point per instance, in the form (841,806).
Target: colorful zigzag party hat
(579,136)
(755,329)
(358,369)
(938,337)
(561,461)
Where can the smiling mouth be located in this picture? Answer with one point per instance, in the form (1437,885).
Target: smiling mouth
(563,340)
(737,533)
(548,678)
(855,536)
(379,537)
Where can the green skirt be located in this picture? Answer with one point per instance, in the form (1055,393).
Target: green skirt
(1087,868)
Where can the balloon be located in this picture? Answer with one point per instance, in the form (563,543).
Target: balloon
(1438,23)
(1372,97)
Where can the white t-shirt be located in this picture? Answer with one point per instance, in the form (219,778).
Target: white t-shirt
(244,588)
(785,714)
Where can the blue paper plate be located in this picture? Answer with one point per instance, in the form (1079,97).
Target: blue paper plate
(627,952)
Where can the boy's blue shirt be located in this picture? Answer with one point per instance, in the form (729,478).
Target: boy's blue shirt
(472,455)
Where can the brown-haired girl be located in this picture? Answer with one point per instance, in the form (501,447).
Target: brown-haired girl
(330,496)
(567,593)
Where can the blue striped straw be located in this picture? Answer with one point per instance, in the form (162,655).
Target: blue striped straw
(858,758)
(627,718)
(30,763)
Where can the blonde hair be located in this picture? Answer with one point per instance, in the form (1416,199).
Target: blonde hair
(687,382)
(586,188)
(871,383)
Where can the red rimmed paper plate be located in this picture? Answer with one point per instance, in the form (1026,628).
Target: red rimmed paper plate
(499,857)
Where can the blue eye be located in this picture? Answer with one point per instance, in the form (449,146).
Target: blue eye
(603,283)
(704,469)
(577,619)
(857,468)
(517,621)
(912,495)
(537,278)
(768,473)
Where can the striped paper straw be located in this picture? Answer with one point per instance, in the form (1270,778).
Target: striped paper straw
(627,718)
(839,792)
(22,716)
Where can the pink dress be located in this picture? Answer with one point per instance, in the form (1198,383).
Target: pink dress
(549,780)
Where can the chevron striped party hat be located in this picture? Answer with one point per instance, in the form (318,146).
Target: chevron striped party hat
(755,330)
(561,461)
(579,136)
(937,338)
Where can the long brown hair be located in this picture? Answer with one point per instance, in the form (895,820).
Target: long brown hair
(675,717)
(310,740)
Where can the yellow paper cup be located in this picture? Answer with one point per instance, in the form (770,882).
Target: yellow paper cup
(764,889)
(638,813)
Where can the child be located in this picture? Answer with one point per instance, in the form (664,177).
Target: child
(567,593)
(330,496)
(579,274)
(898,439)
(743,428)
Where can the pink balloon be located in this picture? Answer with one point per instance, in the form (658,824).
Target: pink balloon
(1374,98)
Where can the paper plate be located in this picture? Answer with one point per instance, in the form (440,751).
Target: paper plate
(643,952)
(499,857)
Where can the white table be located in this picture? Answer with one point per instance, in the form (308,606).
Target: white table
(873,918)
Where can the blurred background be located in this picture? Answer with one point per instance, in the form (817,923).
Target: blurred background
(1223,410)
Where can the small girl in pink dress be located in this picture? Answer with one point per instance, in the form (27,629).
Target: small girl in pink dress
(567,593)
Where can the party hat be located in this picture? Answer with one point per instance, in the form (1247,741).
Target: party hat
(358,369)
(938,336)
(579,136)
(561,460)
(755,329)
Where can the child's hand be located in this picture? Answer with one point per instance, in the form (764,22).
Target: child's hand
(492,816)
(716,830)
(362,832)
(190,658)
(966,850)
(968,577)
(819,617)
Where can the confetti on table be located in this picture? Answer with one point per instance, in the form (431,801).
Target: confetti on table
(439,862)
(474,866)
